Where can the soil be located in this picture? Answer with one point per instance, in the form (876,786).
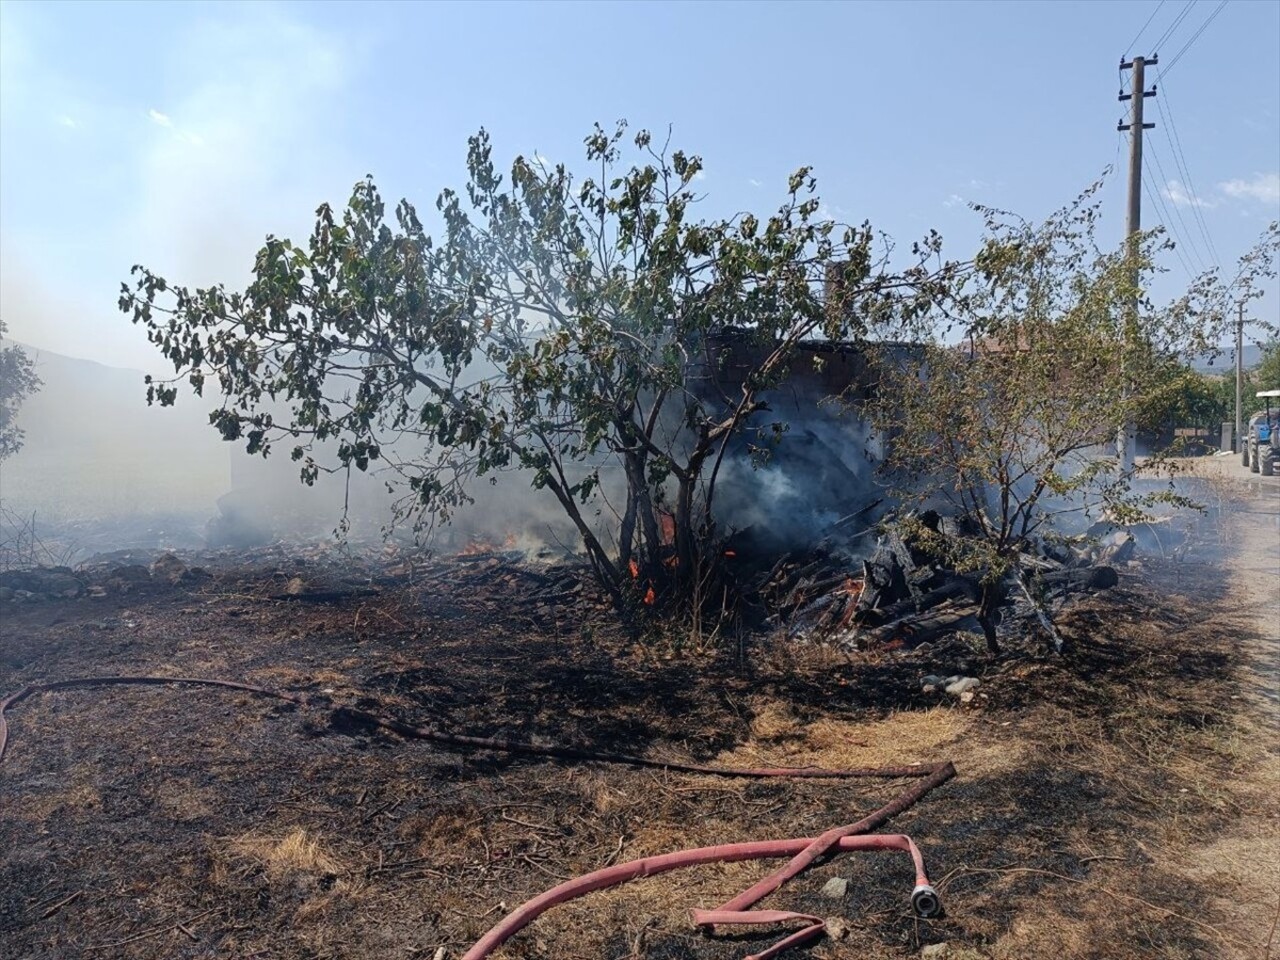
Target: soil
(1117,801)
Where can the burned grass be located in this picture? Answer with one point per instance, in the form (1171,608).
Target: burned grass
(149,822)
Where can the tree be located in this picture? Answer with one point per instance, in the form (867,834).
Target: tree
(1008,410)
(565,327)
(18,381)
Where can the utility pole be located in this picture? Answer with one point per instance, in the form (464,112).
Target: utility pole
(1127,440)
(1239,375)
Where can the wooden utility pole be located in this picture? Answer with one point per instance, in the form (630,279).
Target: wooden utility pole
(1239,375)
(1127,439)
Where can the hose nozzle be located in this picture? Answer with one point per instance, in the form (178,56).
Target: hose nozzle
(925,902)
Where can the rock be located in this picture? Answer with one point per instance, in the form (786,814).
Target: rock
(131,573)
(835,888)
(25,596)
(930,683)
(296,588)
(959,685)
(6,593)
(967,696)
(169,568)
(48,582)
(837,928)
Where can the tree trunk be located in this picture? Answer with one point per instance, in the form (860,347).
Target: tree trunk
(989,613)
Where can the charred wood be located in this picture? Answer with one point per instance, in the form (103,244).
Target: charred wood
(959,588)
(913,630)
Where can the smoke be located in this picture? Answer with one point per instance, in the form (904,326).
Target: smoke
(792,491)
(95,452)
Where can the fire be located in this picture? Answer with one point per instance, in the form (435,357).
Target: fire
(650,596)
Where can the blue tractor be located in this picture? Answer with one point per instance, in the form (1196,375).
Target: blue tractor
(1260,451)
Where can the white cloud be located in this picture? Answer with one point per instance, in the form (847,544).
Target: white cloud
(1180,196)
(68,122)
(700,175)
(160,118)
(1263,187)
(754,182)
(955,200)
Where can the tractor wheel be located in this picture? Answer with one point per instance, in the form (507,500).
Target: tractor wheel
(1269,467)
(1244,455)
(1254,465)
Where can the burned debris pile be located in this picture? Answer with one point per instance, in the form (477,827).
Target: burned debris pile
(903,592)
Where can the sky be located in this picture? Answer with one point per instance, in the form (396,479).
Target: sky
(179,135)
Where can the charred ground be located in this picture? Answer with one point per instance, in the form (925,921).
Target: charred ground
(180,822)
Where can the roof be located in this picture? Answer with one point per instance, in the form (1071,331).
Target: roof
(1267,393)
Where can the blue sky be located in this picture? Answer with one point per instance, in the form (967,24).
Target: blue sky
(179,135)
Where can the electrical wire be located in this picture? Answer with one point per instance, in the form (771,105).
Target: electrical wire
(1194,37)
(1180,158)
(1186,235)
(1157,201)
(1155,47)
(1134,41)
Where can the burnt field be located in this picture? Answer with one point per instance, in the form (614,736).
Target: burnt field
(171,821)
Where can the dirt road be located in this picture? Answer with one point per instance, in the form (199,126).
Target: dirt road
(1250,854)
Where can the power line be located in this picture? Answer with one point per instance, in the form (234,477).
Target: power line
(1194,37)
(1173,26)
(1185,236)
(1180,158)
(1134,41)
(1157,200)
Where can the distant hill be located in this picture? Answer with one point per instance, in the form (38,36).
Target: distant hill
(1207,363)
(94,449)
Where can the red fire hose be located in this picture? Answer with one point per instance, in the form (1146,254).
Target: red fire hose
(803,852)
(725,853)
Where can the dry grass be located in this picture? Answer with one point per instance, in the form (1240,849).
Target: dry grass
(298,851)
(906,737)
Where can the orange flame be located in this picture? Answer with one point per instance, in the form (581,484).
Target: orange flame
(634,568)
(650,597)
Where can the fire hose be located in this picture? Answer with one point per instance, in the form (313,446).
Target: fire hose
(803,852)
